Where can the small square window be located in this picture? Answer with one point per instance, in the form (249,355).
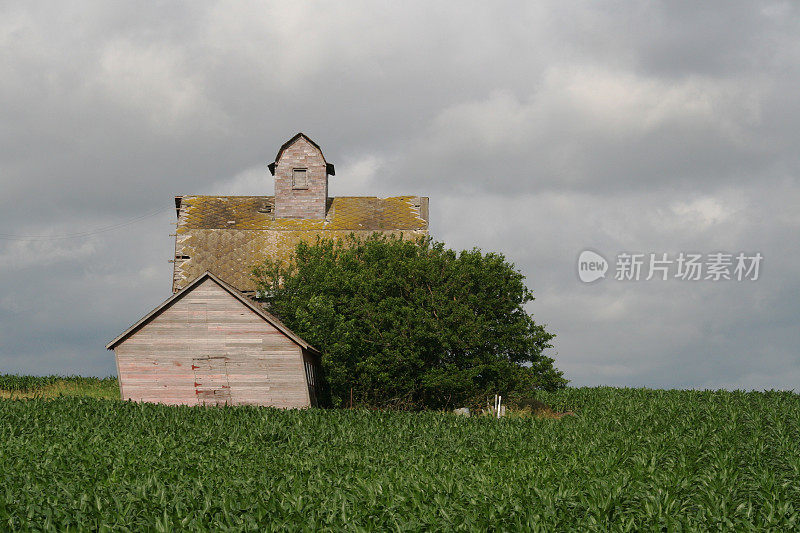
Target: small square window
(300,178)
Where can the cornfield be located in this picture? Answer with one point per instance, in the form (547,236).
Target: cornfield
(630,460)
(18,383)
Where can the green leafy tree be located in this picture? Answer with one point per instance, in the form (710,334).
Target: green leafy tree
(411,324)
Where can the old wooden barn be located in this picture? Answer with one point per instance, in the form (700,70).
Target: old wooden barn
(210,344)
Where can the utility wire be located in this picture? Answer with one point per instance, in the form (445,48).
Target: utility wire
(103,229)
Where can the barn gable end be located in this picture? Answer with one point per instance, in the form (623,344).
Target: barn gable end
(209,344)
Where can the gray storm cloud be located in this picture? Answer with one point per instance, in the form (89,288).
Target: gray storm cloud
(537,130)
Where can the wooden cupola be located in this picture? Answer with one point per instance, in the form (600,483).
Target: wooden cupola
(301,179)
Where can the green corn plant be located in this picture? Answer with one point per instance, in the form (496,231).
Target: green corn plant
(631,460)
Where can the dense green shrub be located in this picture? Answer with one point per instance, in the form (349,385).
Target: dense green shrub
(411,324)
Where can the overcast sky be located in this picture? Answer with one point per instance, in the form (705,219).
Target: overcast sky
(537,130)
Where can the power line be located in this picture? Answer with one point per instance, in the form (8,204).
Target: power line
(103,229)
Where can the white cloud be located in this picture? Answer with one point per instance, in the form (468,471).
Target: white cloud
(253,181)
(588,124)
(155,80)
(23,253)
(703,212)
(356,176)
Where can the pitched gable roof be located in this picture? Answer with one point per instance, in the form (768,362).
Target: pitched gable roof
(268,317)
(329,168)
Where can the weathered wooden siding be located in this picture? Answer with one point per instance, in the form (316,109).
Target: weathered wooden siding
(207,347)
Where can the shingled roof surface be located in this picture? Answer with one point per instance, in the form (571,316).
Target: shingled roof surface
(228,235)
(344,212)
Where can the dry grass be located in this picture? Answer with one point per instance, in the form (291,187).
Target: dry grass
(541,413)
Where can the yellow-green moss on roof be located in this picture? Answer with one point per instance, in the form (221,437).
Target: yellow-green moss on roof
(229,235)
(232,254)
(344,213)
